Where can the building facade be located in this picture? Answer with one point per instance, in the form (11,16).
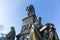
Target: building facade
(32,28)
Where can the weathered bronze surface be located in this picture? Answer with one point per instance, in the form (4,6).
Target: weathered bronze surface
(32,28)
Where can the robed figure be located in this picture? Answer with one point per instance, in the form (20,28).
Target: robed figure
(34,34)
(11,34)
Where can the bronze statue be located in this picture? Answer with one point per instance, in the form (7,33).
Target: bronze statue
(36,31)
(52,34)
(11,34)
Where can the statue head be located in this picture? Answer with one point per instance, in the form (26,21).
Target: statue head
(50,26)
(30,10)
(39,20)
(12,29)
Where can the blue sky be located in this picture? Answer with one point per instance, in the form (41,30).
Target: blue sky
(13,11)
